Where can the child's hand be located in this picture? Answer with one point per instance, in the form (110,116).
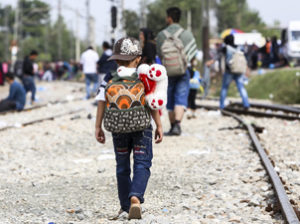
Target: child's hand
(100,136)
(158,135)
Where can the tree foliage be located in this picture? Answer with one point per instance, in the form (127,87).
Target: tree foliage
(131,23)
(156,17)
(237,14)
(36,32)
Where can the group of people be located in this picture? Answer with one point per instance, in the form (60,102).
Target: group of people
(271,55)
(125,109)
(122,101)
(17,92)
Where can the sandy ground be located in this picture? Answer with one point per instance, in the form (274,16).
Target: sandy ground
(55,171)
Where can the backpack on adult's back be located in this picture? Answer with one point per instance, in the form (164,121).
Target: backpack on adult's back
(238,62)
(173,54)
(125,105)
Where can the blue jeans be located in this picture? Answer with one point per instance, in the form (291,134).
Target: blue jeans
(29,85)
(227,78)
(141,144)
(91,78)
(178,91)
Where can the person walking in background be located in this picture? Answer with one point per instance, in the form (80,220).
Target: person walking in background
(176,61)
(195,83)
(105,66)
(229,51)
(28,74)
(17,95)
(148,46)
(213,58)
(89,60)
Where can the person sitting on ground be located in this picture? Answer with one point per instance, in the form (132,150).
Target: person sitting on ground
(48,75)
(195,82)
(122,108)
(17,95)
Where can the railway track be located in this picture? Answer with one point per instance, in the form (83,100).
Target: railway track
(42,119)
(260,110)
(290,212)
(41,106)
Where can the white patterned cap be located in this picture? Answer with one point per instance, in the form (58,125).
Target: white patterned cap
(126,49)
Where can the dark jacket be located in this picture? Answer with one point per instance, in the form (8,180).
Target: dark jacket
(105,66)
(28,67)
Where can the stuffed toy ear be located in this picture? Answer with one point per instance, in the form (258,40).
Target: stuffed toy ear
(157,72)
(143,69)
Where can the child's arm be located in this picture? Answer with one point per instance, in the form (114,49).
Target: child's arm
(99,134)
(158,132)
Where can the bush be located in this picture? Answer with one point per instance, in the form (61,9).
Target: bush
(282,86)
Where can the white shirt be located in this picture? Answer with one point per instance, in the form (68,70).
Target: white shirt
(89,60)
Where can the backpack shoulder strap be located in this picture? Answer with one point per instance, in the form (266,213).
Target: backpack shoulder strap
(166,33)
(117,78)
(178,32)
(231,48)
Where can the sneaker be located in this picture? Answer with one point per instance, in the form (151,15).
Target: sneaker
(135,211)
(176,130)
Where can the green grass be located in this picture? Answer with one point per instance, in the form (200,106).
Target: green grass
(281,86)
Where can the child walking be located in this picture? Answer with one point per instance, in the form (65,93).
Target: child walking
(195,84)
(122,109)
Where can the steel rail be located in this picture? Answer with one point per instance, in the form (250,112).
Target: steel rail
(43,119)
(286,207)
(251,113)
(40,106)
(276,107)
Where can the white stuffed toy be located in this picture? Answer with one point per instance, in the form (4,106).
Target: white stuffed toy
(155,81)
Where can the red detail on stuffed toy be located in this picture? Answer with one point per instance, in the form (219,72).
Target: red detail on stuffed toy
(148,83)
(160,102)
(158,73)
(153,101)
(119,70)
(153,68)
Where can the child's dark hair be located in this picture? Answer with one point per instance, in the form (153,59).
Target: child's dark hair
(106,45)
(174,13)
(125,63)
(9,76)
(34,52)
(229,40)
